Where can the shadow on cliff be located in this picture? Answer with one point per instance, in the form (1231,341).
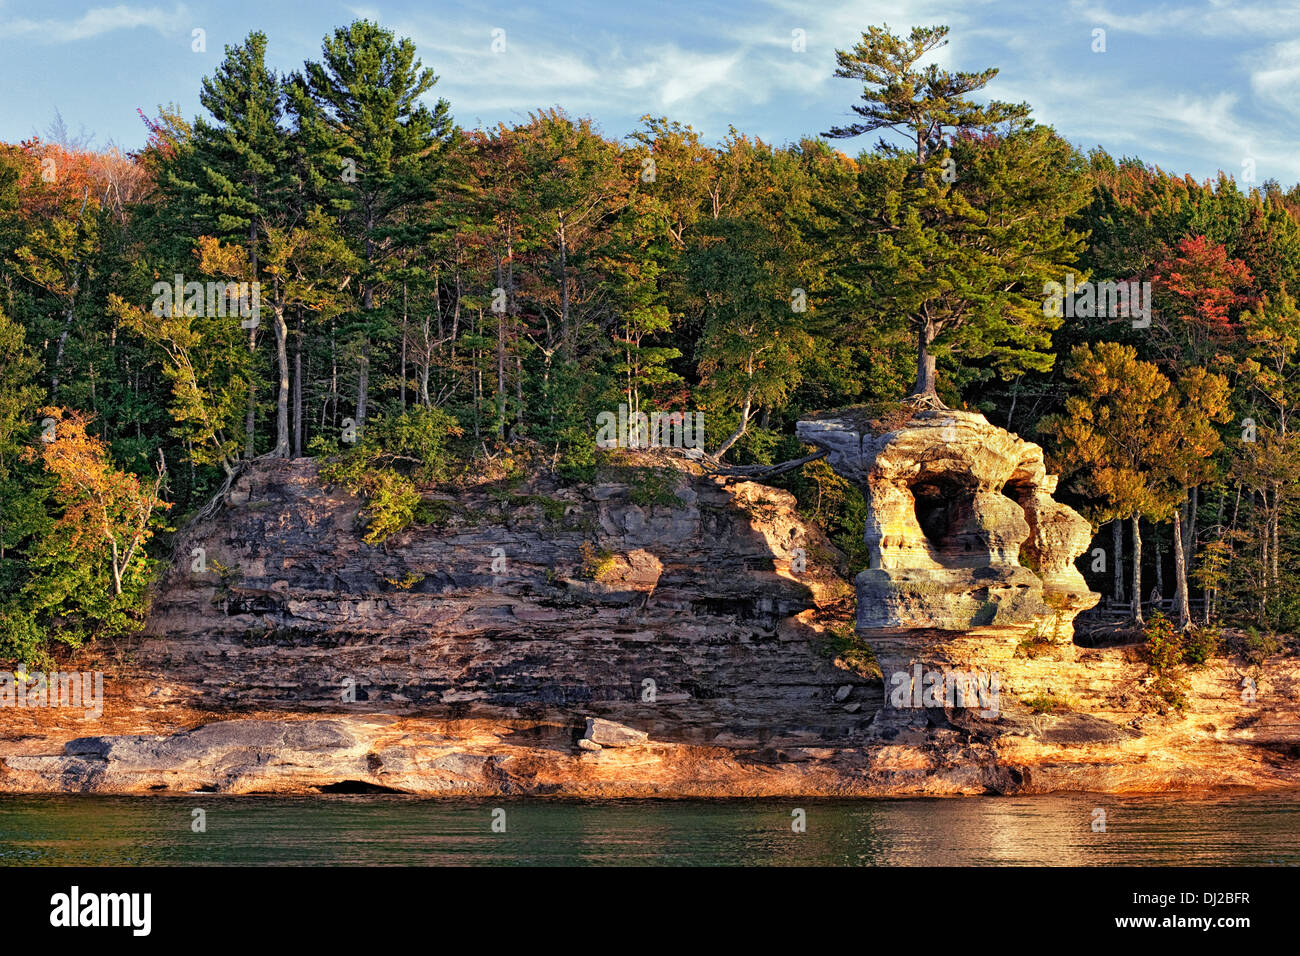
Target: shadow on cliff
(537,602)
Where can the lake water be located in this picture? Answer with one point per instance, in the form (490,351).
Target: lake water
(386,829)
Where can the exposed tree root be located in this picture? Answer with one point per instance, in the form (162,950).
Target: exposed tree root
(926,400)
(763,472)
(216,501)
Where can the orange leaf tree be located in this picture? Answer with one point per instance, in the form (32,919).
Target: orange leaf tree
(91,567)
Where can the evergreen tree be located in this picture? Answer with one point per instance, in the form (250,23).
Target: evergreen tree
(19,397)
(236,178)
(374,151)
(965,227)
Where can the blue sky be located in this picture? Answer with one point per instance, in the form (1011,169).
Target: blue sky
(1194,87)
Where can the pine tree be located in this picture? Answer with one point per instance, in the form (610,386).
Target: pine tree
(19,397)
(966,225)
(237,181)
(374,152)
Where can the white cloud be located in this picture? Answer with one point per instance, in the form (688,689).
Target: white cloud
(1178,96)
(1276,80)
(95,22)
(670,76)
(724,65)
(1216,126)
(1210,18)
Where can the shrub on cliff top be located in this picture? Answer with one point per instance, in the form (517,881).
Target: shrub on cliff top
(395,454)
(416,438)
(647,486)
(831,500)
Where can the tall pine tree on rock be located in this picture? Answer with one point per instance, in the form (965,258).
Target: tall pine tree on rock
(237,181)
(963,226)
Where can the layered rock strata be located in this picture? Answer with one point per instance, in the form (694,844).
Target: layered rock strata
(682,613)
(621,638)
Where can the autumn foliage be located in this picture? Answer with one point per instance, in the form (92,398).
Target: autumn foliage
(467,297)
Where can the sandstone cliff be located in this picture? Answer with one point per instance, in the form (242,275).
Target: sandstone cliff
(961,529)
(604,640)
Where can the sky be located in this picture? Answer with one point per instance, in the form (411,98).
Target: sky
(1193,87)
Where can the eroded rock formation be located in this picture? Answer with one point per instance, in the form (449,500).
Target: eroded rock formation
(961,528)
(680,654)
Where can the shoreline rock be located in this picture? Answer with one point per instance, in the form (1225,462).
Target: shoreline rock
(323,664)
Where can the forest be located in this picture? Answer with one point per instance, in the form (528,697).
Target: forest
(324,264)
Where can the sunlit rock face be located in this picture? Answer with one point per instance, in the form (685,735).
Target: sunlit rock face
(961,527)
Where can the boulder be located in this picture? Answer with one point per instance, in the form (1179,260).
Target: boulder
(607,733)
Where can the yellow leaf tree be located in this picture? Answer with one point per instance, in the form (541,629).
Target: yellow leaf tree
(107,513)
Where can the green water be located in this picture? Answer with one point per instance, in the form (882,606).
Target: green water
(1235,829)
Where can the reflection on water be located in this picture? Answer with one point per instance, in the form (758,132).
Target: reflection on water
(1050,830)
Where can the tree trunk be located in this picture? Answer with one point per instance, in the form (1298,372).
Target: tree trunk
(363,385)
(1212,594)
(297,390)
(58,353)
(333,400)
(925,367)
(1117,546)
(1265,579)
(1277,515)
(402,378)
(282,394)
(519,390)
(250,414)
(1137,570)
(1182,611)
(476,374)
(1160,566)
(502,282)
(117,575)
(426,363)
(363,379)
(744,423)
(564,292)
(501,375)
